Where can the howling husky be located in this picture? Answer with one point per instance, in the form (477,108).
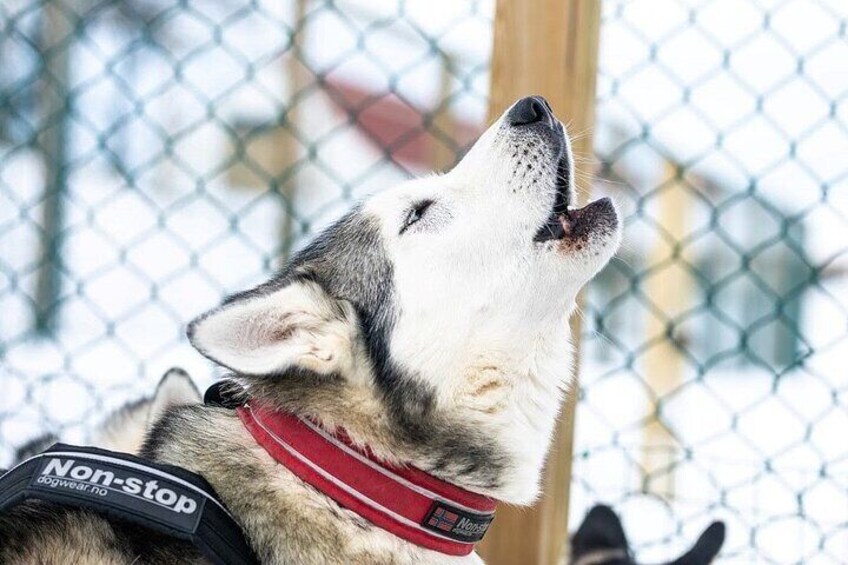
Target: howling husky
(423,338)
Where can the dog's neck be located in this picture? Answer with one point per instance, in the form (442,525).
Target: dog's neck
(403,500)
(488,433)
(491,441)
(285,519)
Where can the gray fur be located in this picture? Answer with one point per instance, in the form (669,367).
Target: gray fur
(349,263)
(327,354)
(212,442)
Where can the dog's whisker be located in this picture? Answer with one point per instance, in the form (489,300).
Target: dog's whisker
(442,287)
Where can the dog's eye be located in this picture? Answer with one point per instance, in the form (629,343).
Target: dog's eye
(415,214)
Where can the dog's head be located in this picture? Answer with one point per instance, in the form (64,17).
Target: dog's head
(600,540)
(432,320)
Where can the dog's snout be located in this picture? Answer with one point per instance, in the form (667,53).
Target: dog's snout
(530,110)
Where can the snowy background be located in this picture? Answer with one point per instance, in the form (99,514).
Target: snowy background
(192,147)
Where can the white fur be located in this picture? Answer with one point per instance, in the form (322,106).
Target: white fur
(483,308)
(477,290)
(267,334)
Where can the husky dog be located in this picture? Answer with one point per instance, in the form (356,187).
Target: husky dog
(600,540)
(430,323)
(126,428)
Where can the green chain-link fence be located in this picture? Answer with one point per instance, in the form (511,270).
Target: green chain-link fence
(155,156)
(719,338)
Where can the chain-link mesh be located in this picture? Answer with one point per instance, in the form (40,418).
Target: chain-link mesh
(155,156)
(717,342)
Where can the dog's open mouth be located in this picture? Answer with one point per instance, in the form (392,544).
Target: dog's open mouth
(565,221)
(561,221)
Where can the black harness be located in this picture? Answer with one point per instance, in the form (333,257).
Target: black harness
(163,498)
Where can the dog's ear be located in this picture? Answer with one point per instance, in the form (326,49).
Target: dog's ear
(601,530)
(34,446)
(175,389)
(706,548)
(266,332)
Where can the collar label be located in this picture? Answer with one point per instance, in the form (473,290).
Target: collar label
(455,523)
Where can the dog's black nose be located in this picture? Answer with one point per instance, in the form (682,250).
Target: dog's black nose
(530,110)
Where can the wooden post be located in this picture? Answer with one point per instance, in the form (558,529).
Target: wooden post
(277,150)
(546,47)
(442,156)
(289,145)
(671,291)
(58,42)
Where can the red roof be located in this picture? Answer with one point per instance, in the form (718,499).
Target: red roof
(399,128)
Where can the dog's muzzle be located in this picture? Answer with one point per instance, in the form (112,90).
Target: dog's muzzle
(535,114)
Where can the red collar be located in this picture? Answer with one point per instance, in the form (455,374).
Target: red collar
(407,502)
